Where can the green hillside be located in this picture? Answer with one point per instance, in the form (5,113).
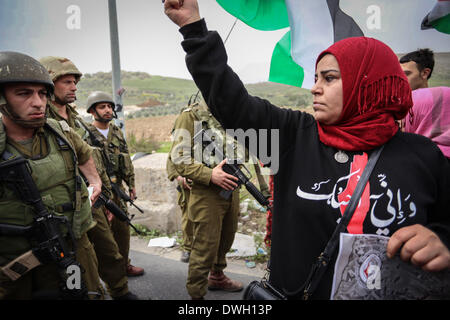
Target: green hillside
(174,93)
(441,72)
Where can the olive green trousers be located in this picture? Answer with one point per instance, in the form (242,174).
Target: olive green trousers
(111,264)
(214,221)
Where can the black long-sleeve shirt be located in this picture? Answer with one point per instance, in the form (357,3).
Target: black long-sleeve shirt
(409,185)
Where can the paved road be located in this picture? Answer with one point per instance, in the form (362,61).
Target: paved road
(165,276)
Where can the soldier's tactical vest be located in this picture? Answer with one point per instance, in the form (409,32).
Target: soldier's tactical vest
(217,133)
(54,176)
(77,126)
(80,129)
(116,151)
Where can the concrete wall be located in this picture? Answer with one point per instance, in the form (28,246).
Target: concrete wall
(157,196)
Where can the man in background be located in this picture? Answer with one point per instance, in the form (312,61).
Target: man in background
(418,67)
(119,167)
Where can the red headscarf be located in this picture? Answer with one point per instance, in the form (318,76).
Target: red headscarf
(376,93)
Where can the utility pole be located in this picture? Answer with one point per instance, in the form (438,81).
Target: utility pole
(118,91)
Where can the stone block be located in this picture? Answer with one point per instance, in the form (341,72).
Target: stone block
(157,196)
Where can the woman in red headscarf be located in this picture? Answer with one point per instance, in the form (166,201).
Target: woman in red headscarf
(359,93)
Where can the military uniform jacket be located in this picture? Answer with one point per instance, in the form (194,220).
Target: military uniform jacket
(80,127)
(73,118)
(120,167)
(184,153)
(54,174)
(188,123)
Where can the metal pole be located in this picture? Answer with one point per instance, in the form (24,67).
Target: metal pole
(115,59)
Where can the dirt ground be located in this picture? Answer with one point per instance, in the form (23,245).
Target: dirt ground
(156,128)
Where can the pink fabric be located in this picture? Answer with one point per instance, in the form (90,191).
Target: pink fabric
(431,116)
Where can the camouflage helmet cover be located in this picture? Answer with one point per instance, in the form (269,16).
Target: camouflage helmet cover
(59,66)
(97,97)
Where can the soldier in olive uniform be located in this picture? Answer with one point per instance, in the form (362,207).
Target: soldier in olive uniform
(111,264)
(214,219)
(54,154)
(184,187)
(118,164)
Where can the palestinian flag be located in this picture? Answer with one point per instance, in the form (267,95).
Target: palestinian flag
(438,18)
(265,15)
(314,26)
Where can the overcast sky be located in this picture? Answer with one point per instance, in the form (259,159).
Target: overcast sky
(150,42)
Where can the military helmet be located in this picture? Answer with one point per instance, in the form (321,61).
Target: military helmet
(17,67)
(98,97)
(59,66)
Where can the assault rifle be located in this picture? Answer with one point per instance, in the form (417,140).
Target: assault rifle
(46,230)
(114,209)
(121,194)
(233,169)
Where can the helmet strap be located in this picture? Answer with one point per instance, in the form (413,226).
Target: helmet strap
(103,120)
(7,111)
(100,119)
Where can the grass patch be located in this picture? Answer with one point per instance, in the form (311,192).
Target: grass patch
(142,145)
(148,234)
(164,147)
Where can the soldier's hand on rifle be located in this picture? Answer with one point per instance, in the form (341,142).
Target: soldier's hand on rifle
(90,172)
(109,215)
(186,182)
(182,12)
(97,189)
(133,194)
(222,179)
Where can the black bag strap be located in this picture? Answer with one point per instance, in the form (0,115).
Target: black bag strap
(321,264)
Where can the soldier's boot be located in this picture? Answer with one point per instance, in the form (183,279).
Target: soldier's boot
(217,280)
(133,271)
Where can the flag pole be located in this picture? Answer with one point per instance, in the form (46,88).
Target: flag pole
(115,59)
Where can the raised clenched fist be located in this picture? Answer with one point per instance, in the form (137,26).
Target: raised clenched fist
(182,12)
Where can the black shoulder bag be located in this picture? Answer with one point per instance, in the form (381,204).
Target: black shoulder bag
(263,290)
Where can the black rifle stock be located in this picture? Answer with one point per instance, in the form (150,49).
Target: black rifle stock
(234,170)
(114,209)
(51,245)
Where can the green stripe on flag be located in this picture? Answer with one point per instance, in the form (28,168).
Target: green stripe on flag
(265,15)
(442,24)
(282,68)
